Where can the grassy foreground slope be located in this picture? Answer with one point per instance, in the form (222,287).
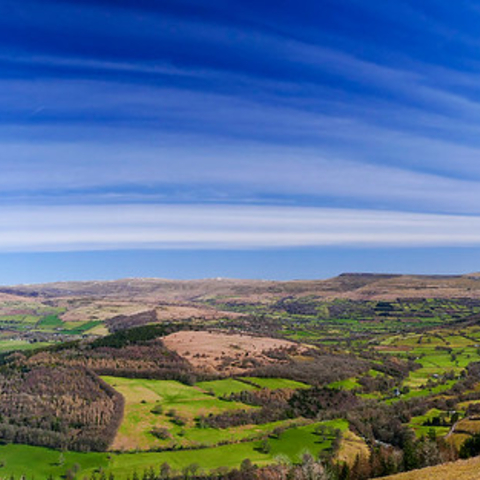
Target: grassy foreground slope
(43,462)
(461,470)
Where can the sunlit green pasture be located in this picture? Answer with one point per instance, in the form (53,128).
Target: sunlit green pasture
(40,463)
(416,423)
(12,345)
(275,383)
(347,384)
(225,387)
(176,400)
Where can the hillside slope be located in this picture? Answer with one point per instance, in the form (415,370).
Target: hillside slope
(461,470)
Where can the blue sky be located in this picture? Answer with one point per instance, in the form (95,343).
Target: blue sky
(262,139)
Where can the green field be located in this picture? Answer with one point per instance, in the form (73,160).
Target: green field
(348,384)
(275,383)
(439,353)
(79,328)
(142,396)
(416,423)
(39,463)
(228,386)
(344,318)
(10,345)
(38,317)
(50,321)
(224,387)
(28,325)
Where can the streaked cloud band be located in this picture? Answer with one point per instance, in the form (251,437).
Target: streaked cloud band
(121,227)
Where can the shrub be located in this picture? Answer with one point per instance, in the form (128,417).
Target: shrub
(161,433)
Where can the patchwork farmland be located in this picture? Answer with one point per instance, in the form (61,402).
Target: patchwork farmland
(110,379)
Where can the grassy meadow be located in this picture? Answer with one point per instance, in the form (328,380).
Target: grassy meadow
(153,404)
(43,462)
(175,400)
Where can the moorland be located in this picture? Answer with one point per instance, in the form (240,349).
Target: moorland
(355,377)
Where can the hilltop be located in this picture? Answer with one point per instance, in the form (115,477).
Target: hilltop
(354,286)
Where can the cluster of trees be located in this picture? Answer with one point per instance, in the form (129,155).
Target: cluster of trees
(149,360)
(314,402)
(297,306)
(161,433)
(176,418)
(54,397)
(263,397)
(471,447)
(386,460)
(441,420)
(136,336)
(378,422)
(379,383)
(57,406)
(237,418)
(396,368)
(323,368)
(125,322)
(135,353)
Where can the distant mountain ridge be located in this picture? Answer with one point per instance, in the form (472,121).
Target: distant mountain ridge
(355,286)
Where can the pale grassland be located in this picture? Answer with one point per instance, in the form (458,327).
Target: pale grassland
(461,470)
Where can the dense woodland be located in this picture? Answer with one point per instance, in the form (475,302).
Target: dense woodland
(124,322)
(320,369)
(55,398)
(147,360)
(135,353)
(57,406)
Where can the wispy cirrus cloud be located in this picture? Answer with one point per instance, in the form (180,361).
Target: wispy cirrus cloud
(216,104)
(107,227)
(227,173)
